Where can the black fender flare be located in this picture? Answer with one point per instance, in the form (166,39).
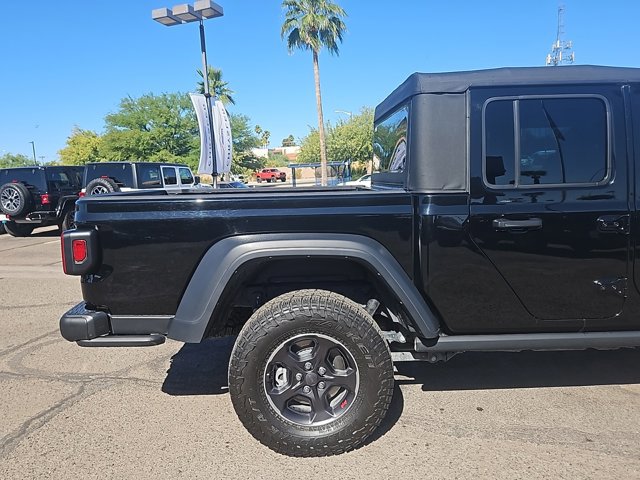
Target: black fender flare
(225,257)
(63,205)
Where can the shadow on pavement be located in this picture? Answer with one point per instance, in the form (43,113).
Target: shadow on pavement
(48,232)
(200,368)
(493,370)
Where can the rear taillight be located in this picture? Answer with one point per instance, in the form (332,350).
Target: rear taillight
(80,252)
(79,249)
(44,199)
(81,194)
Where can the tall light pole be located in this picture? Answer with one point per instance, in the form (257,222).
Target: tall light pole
(185,13)
(33,145)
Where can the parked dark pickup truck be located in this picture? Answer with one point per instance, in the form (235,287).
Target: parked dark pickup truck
(503,215)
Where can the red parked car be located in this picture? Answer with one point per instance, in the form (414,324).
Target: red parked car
(271,175)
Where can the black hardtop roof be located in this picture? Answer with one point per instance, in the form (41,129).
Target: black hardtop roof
(460,82)
(26,167)
(166,164)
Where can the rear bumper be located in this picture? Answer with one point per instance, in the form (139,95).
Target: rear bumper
(82,324)
(92,328)
(34,218)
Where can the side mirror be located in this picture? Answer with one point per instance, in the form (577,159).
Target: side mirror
(196,180)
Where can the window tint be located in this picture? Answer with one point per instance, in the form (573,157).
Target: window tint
(122,174)
(31,177)
(185,176)
(499,143)
(149,176)
(169,174)
(390,142)
(561,141)
(58,179)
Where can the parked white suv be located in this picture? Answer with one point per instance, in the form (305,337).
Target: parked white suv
(108,177)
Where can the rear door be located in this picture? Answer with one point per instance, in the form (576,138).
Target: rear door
(549,203)
(170,178)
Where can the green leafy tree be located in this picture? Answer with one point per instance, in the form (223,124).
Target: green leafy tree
(264,138)
(244,140)
(310,148)
(348,140)
(150,127)
(277,160)
(314,25)
(83,146)
(352,139)
(289,141)
(9,160)
(217,86)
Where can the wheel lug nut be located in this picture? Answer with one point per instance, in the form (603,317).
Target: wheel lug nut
(298,376)
(307,389)
(321,385)
(322,370)
(308,366)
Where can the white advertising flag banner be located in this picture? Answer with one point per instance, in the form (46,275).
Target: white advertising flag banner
(224,144)
(206,149)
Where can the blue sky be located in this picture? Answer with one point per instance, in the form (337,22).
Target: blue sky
(70,62)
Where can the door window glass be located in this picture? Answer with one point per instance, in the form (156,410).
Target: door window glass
(185,176)
(560,141)
(499,143)
(149,176)
(563,140)
(169,174)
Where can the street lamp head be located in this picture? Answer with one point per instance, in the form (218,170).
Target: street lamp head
(186,13)
(165,16)
(208,9)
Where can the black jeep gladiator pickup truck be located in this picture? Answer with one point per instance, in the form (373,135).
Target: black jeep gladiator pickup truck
(503,215)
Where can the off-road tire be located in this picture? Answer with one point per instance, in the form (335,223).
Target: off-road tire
(100,186)
(18,229)
(310,313)
(259,180)
(68,222)
(283,179)
(15,199)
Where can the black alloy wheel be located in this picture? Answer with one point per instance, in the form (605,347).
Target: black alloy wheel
(310,374)
(311,379)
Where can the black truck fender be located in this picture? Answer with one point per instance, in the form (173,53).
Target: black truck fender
(226,256)
(64,204)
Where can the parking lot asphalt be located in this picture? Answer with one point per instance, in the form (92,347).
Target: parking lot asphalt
(164,412)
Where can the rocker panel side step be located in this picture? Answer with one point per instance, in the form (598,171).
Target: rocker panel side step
(531,341)
(124,341)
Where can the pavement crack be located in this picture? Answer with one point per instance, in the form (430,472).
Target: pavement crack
(10,441)
(36,305)
(9,350)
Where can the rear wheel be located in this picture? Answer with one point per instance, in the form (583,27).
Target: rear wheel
(68,223)
(310,374)
(15,199)
(18,229)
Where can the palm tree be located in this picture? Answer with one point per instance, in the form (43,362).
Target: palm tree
(216,86)
(313,25)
